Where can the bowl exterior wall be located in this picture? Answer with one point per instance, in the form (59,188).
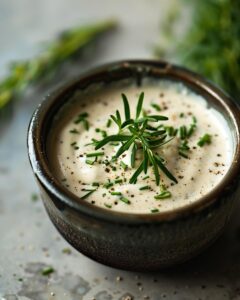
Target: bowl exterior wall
(145,247)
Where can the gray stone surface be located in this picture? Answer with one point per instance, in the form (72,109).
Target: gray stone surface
(28,240)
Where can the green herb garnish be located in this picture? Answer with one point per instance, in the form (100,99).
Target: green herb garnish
(68,45)
(118,181)
(89,192)
(206,139)
(82,118)
(154,210)
(138,133)
(34,197)
(107,205)
(94,154)
(108,185)
(123,165)
(116,193)
(89,162)
(125,200)
(156,106)
(74,131)
(47,271)
(109,123)
(146,187)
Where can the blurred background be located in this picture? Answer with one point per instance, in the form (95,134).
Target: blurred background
(35,57)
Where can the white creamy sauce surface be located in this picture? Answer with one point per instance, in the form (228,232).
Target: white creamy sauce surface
(197,175)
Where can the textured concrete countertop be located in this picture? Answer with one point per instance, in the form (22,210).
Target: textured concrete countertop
(28,240)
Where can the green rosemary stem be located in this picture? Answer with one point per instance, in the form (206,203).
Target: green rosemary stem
(68,44)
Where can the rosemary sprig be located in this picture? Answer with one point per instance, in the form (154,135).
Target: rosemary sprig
(137,134)
(64,48)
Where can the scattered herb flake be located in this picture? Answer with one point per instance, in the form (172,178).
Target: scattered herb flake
(156,106)
(47,271)
(206,139)
(125,200)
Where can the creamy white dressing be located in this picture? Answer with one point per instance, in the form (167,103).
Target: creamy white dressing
(196,176)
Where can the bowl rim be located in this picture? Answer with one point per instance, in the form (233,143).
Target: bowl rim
(38,156)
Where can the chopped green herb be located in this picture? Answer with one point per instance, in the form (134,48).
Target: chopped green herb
(94,154)
(74,131)
(89,162)
(95,184)
(182,115)
(67,251)
(116,193)
(107,205)
(108,185)
(109,122)
(183,132)
(156,106)
(183,154)
(125,200)
(146,187)
(118,181)
(123,165)
(74,143)
(34,197)
(47,271)
(146,177)
(89,192)
(154,210)
(206,139)
(163,195)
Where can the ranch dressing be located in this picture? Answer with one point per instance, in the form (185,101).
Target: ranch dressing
(69,143)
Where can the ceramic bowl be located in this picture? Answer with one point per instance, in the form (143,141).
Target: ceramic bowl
(137,241)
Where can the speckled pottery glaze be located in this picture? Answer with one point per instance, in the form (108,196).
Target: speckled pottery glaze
(135,241)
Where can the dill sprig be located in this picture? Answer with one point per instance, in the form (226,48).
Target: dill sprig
(138,135)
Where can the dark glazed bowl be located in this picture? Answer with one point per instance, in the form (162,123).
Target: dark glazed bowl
(137,241)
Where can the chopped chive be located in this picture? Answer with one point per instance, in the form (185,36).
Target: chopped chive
(146,177)
(74,143)
(89,162)
(109,122)
(154,210)
(108,185)
(97,129)
(76,148)
(86,124)
(95,184)
(206,139)
(183,154)
(47,271)
(107,205)
(183,132)
(74,131)
(125,200)
(194,119)
(118,181)
(146,187)
(182,115)
(123,165)
(89,192)
(81,117)
(94,154)
(156,106)
(116,193)
(163,195)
